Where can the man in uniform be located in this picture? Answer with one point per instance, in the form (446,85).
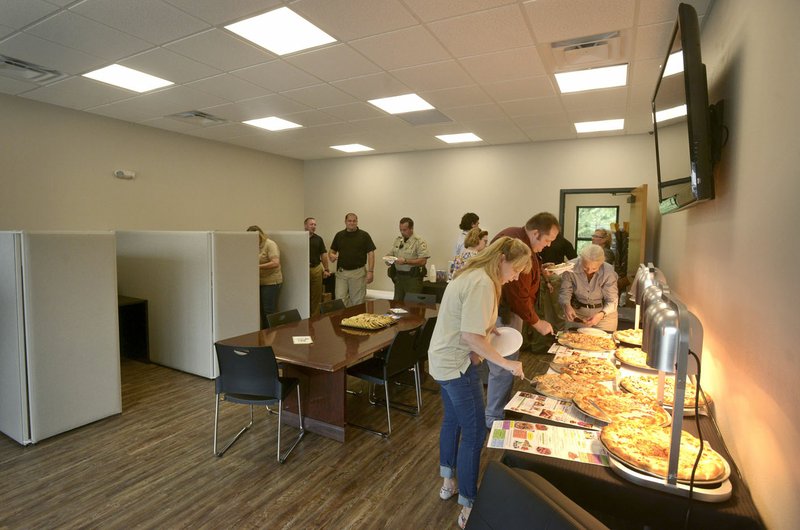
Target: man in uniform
(317,264)
(353,252)
(517,305)
(412,255)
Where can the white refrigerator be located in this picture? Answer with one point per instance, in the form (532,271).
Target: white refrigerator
(59,338)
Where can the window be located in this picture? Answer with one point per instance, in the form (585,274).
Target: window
(590,218)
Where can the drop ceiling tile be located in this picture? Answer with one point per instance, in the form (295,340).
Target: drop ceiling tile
(223,131)
(596,99)
(531,87)
(353,19)
(169,124)
(79,93)
(60,3)
(169,65)
(217,12)
(221,50)
(333,63)
(482,32)
(596,114)
(251,109)
(434,76)
(18,14)
(319,96)
(427,10)
(652,41)
(545,119)
(373,86)
(15,86)
(49,54)
(456,97)
(152,20)
(229,87)
(5,31)
(353,111)
(547,134)
(312,118)
(498,132)
(645,72)
(504,65)
(401,48)
(86,35)
(166,101)
(476,113)
(125,112)
(556,20)
(277,76)
(531,106)
(667,10)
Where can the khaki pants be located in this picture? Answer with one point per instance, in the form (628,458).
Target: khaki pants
(351,286)
(315,281)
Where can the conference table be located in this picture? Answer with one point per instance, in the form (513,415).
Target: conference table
(322,365)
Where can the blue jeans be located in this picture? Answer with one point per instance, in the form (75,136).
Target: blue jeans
(463,433)
(498,389)
(268,299)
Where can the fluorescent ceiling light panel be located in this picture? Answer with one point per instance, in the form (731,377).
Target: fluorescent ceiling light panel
(674,64)
(273,124)
(592,79)
(597,126)
(281,31)
(401,104)
(351,148)
(129,78)
(668,114)
(459,138)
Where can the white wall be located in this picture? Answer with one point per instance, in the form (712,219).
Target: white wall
(56,168)
(733,260)
(504,185)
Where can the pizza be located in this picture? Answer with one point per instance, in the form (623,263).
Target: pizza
(647,385)
(558,386)
(584,341)
(633,357)
(646,447)
(590,369)
(368,321)
(629,336)
(609,406)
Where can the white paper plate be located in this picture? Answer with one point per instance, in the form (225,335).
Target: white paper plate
(593,331)
(507,342)
(389,259)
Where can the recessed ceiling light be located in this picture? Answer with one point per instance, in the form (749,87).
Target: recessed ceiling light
(401,104)
(597,126)
(281,31)
(125,77)
(352,148)
(674,64)
(668,114)
(592,79)
(273,124)
(459,138)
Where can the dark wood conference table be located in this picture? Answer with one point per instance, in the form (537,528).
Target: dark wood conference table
(322,365)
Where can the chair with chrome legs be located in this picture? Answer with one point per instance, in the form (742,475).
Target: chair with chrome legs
(249,376)
(399,358)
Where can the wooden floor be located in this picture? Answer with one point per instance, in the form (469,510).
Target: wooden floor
(152,467)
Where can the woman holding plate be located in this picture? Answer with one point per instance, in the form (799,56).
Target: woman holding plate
(589,292)
(460,341)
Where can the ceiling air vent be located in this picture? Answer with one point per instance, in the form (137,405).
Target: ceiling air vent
(601,48)
(197,117)
(25,71)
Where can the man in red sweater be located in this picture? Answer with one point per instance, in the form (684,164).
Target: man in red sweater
(517,305)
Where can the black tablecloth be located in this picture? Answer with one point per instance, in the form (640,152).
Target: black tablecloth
(621,504)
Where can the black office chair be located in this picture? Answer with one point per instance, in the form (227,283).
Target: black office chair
(421,346)
(331,305)
(284,317)
(249,376)
(399,358)
(420,298)
(517,498)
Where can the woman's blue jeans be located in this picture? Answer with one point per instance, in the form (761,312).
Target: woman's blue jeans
(463,433)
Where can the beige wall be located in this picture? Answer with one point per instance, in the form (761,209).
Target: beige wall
(733,260)
(57,164)
(504,185)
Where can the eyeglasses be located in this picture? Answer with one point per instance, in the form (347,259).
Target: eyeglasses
(597,235)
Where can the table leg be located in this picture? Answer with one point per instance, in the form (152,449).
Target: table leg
(324,401)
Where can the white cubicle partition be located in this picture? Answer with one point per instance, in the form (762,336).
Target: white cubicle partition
(295,292)
(59,346)
(200,287)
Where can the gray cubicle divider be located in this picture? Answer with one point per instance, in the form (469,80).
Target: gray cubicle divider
(295,292)
(200,286)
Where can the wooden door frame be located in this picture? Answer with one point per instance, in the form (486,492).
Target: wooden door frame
(584,191)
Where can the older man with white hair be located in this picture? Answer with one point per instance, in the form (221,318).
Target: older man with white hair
(589,292)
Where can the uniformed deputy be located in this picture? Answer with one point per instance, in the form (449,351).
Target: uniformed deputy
(411,253)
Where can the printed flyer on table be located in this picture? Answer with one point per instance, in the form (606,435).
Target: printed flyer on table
(547,440)
(550,409)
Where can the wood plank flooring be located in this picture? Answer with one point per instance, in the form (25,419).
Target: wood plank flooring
(153,467)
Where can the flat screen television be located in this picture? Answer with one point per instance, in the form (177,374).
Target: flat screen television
(686,129)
